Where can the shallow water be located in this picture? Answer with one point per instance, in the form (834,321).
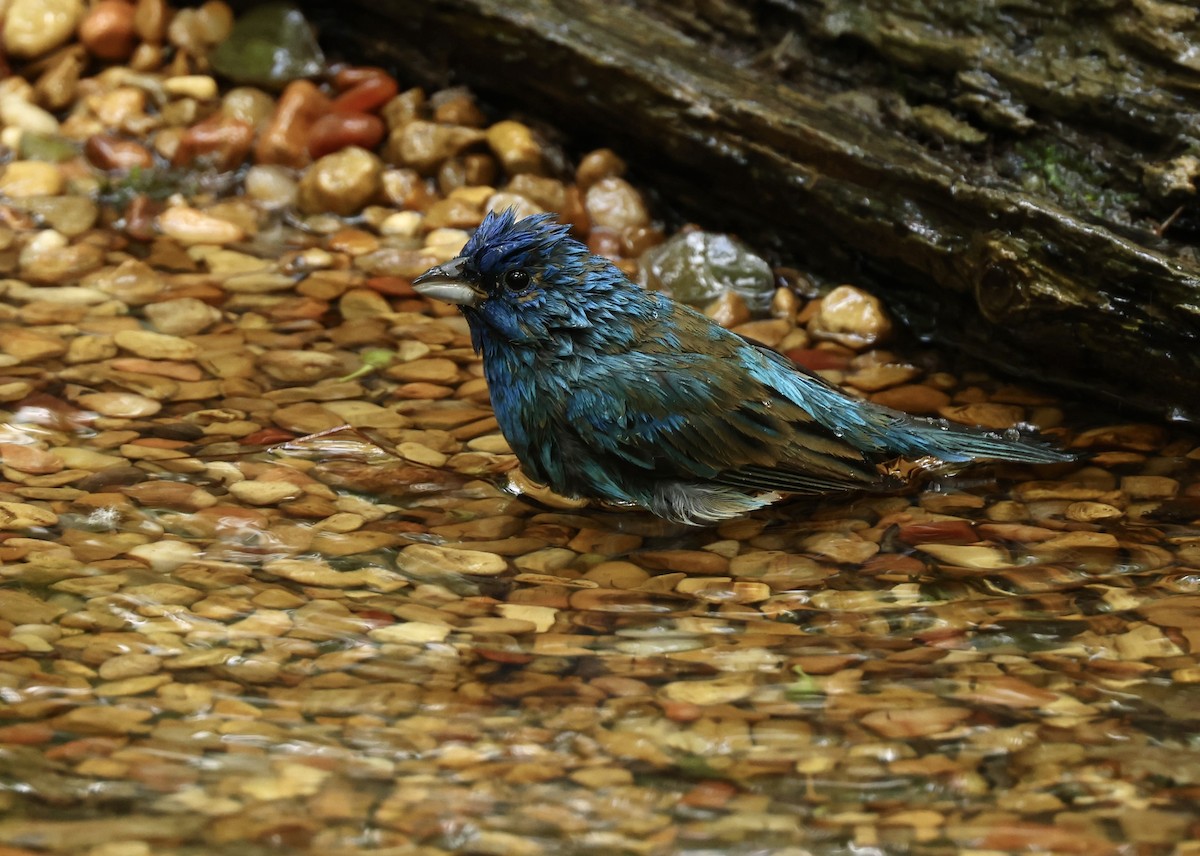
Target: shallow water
(228,625)
(997,661)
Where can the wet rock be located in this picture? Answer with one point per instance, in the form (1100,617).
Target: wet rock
(285,139)
(598,165)
(424,145)
(184,316)
(729,310)
(156,346)
(107,30)
(341,183)
(851,317)
(220,142)
(191,226)
(17,111)
(70,216)
(613,203)
(1149,487)
(997,417)
(697,267)
(31,345)
(125,405)
(339,130)
(918,722)
(261,492)
(515,146)
(424,560)
(913,398)
(299,366)
(270,45)
(36,27)
(23,179)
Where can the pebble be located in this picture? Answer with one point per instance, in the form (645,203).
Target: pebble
(299,366)
(22,515)
(191,226)
(107,30)
(768,332)
(166,556)
(36,27)
(271,186)
(285,139)
(257,492)
(363,91)
(341,183)
(901,724)
(729,310)
(183,316)
(220,141)
(613,203)
(515,146)
(997,417)
(597,165)
(424,145)
(156,346)
(427,559)
(70,216)
(17,111)
(29,459)
(913,398)
(202,87)
(851,317)
(727,689)
(124,405)
(429,370)
(31,345)
(874,378)
(23,179)
(1149,487)
(420,454)
(340,130)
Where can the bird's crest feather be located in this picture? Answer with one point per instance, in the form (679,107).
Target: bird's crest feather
(501,239)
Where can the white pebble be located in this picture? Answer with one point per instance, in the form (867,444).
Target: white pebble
(405,224)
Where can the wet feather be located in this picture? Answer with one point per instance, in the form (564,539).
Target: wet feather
(608,391)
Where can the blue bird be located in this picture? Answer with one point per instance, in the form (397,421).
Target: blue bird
(608,391)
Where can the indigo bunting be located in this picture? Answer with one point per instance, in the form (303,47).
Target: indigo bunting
(608,391)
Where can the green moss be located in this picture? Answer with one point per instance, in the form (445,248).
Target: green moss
(1075,181)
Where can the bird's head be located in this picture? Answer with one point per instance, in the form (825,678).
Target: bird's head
(527,281)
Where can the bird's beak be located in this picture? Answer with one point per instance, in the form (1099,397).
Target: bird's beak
(446,282)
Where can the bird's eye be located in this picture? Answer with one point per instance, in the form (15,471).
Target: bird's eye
(515,280)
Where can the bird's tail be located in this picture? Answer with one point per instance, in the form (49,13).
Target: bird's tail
(958,444)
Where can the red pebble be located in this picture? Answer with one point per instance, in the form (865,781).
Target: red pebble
(376,617)
(268,437)
(369,93)
(284,139)
(336,131)
(108,152)
(818,359)
(26,734)
(938,532)
(682,711)
(219,141)
(711,793)
(139,217)
(349,76)
(504,656)
(396,286)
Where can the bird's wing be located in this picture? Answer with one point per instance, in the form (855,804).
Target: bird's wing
(698,416)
